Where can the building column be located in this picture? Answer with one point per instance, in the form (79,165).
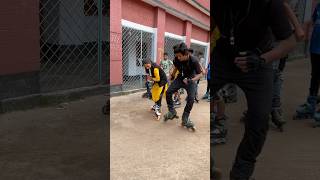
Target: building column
(115,42)
(160,25)
(188,32)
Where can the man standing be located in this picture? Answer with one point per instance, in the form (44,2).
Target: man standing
(189,72)
(308,109)
(166,64)
(243,56)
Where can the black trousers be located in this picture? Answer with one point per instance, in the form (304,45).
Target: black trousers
(191,92)
(257,87)
(315,75)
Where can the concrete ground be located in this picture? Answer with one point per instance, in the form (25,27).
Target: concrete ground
(145,149)
(292,155)
(55,144)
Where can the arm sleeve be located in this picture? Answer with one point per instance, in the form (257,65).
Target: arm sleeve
(278,20)
(156,75)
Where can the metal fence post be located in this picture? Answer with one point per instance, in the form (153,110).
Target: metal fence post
(141,84)
(100,40)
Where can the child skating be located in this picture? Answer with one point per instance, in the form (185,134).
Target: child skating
(159,87)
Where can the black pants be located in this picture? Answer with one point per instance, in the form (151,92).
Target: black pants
(315,75)
(191,92)
(257,87)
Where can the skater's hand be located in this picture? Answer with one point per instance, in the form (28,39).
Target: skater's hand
(241,62)
(251,63)
(185,80)
(300,35)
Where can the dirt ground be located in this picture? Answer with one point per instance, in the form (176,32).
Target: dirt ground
(145,149)
(55,144)
(291,155)
(71,143)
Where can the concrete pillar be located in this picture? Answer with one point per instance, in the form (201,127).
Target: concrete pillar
(188,32)
(160,25)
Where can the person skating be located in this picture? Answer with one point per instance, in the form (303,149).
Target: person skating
(189,72)
(243,56)
(160,84)
(308,110)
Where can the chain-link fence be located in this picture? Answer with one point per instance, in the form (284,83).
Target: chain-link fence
(136,46)
(169,43)
(73,40)
(74,48)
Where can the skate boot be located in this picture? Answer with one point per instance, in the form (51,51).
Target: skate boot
(317,119)
(229,93)
(218,132)
(170,116)
(181,91)
(157,112)
(277,119)
(187,123)
(176,103)
(153,107)
(307,110)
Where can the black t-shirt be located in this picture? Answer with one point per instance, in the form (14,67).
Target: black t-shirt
(254,22)
(189,68)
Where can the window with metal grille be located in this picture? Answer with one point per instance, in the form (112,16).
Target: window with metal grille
(144,52)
